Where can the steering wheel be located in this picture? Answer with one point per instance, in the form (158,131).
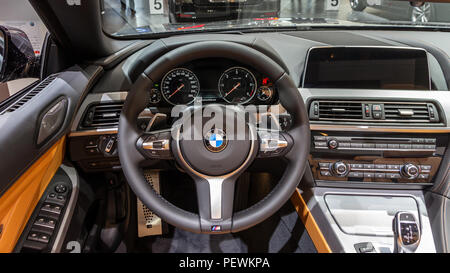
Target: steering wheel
(214,166)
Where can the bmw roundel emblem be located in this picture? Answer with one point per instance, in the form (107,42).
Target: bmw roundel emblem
(215,140)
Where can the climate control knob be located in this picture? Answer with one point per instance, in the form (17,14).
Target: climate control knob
(339,168)
(333,144)
(410,171)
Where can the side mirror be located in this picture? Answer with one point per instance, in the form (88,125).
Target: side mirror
(416,4)
(17,57)
(2,53)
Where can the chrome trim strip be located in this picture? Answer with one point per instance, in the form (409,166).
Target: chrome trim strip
(378,149)
(106,131)
(399,121)
(375,101)
(72,173)
(215,193)
(149,145)
(362,128)
(314,127)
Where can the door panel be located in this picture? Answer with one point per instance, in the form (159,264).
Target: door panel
(28,161)
(17,204)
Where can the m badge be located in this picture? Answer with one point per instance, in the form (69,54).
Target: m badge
(73,2)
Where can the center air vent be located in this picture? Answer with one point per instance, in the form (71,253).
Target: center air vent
(102,115)
(412,112)
(374,111)
(337,110)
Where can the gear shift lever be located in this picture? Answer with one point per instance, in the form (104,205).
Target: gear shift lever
(406,232)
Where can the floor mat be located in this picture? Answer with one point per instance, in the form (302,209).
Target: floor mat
(281,233)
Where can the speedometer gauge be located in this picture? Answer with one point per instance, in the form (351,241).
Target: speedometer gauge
(180,86)
(237,85)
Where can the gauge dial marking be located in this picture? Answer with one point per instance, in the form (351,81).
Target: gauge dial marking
(265,93)
(154,96)
(237,85)
(180,86)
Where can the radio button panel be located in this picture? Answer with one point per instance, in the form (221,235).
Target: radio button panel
(374,144)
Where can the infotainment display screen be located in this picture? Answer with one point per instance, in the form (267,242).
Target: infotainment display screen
(367,68)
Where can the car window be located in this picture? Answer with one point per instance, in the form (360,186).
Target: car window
(140,17)
(20,14)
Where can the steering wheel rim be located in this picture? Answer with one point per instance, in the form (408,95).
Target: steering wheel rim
(290,99)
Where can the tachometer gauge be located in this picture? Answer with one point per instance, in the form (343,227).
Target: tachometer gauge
(154,96)
(237,85)
(180,86)
(265,93)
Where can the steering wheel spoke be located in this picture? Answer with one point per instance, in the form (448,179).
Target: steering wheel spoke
(215,198)
(155,145)
(273,143)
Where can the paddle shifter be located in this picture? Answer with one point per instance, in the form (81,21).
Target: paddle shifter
(406,232)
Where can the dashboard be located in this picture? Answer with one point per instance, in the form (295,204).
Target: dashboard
(374,141)
(213,80)
(389,129)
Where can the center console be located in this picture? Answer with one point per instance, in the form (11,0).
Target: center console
(376,158)
(379,135)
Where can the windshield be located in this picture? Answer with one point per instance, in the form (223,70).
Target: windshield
(152,17)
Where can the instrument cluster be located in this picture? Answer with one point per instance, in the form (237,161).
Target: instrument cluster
(213,81)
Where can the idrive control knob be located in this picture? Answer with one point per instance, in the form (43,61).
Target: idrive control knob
(410,171)
(339,168)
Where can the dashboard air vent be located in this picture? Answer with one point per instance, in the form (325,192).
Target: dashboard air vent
(337,110)
(374,111)
(409,112)
(102,115)
(30,94)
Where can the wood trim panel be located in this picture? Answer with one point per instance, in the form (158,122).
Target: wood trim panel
(18,203)
(310,224)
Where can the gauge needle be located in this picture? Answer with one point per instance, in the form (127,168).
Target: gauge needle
(176,91)
(234,88)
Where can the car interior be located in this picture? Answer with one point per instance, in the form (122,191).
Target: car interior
(302,135)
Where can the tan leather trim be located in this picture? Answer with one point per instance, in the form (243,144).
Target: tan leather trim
(310,224)
(18,203)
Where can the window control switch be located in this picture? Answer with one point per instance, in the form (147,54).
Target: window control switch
(45,222)
(49,215)
(52,208)
(38,237)
(57,199)
(40,229)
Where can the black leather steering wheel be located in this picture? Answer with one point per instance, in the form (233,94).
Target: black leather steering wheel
(214,172)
